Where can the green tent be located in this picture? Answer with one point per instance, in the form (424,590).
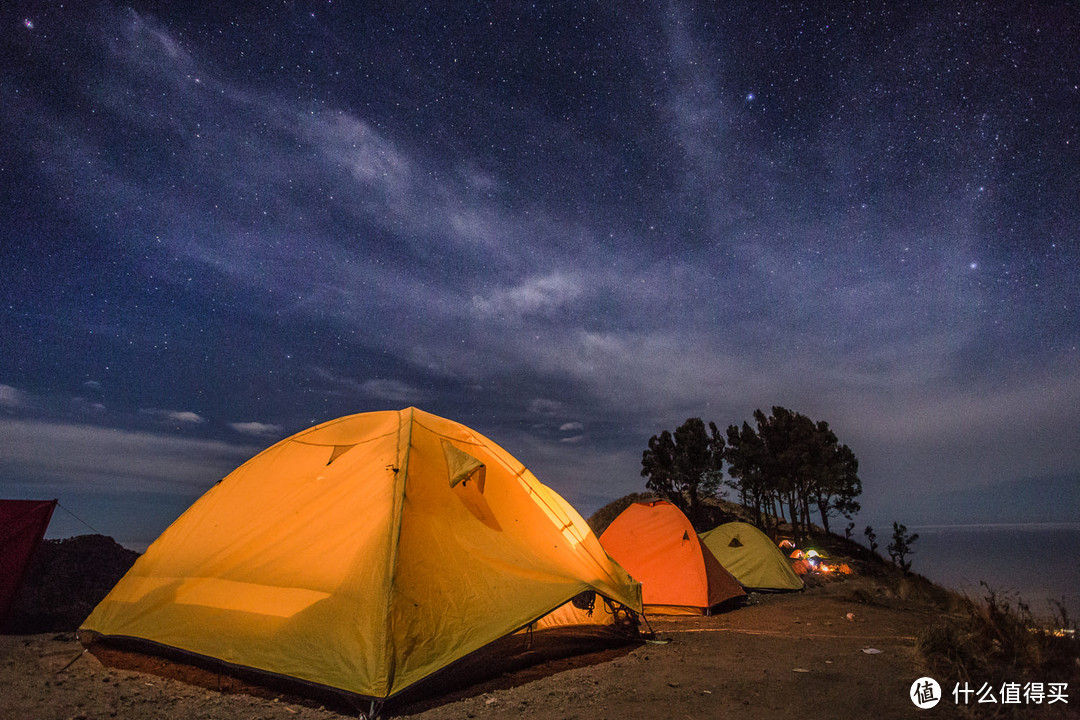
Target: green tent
(749,555)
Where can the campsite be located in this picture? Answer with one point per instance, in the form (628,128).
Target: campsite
(400,564)
(554,360)
(783,656)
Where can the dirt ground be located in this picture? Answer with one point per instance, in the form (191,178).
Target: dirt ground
(842,650)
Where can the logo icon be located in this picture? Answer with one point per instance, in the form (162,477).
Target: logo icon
(925,693)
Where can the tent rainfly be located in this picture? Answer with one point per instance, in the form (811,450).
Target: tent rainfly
(656,543)
(363,555)
(749,555)
(22,527)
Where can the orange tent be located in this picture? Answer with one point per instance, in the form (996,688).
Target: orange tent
(657,545)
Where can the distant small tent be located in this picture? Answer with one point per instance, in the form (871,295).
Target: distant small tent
(657,545)
(749,555)
(363,555)
(22,527)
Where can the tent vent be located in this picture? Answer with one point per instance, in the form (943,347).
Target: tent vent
(734,542)
(338,451)
(461,467)
(686,536)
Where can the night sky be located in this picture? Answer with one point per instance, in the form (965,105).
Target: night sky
(567,227)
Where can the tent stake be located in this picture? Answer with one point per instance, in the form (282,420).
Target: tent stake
(72,662)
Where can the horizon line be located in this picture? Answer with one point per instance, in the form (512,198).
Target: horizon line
(1047,525)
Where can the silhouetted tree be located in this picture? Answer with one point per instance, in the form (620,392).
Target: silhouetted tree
(900,547)
(746,466)
(790,462)
(871,536)
(835,484)
(686,466)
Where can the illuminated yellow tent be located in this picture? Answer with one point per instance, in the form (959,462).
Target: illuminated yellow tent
(363,554)
(749,555)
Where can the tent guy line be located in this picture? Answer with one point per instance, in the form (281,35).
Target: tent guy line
(92,528)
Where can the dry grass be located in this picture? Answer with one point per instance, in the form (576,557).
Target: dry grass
(998,639)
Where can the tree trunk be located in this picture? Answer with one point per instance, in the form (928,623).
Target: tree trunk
(823,506)
(806,512)
(793,510)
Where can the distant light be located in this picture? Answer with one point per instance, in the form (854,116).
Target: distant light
(974,266)
(749,97)
(28,24)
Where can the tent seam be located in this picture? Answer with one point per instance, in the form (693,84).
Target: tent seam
(401,474)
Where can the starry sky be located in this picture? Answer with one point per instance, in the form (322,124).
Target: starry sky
(568,226)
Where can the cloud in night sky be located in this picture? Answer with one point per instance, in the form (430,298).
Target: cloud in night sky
(11,397)
(256,428)
(72,457)
(174,416)
(569,234)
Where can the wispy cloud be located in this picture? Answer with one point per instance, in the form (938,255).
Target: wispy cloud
(392,390)
(184,417)
(11,397)
(257,429)
(545,407)
(92,459)
(258,160)
(90,407)
(535,295)
(388,389)
(372,161)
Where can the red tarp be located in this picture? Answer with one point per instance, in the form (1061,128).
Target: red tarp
(22,526)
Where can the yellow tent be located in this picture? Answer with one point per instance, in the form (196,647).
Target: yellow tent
(362,554)
(751,557)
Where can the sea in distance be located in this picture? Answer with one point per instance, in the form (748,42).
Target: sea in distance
(1032,562)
